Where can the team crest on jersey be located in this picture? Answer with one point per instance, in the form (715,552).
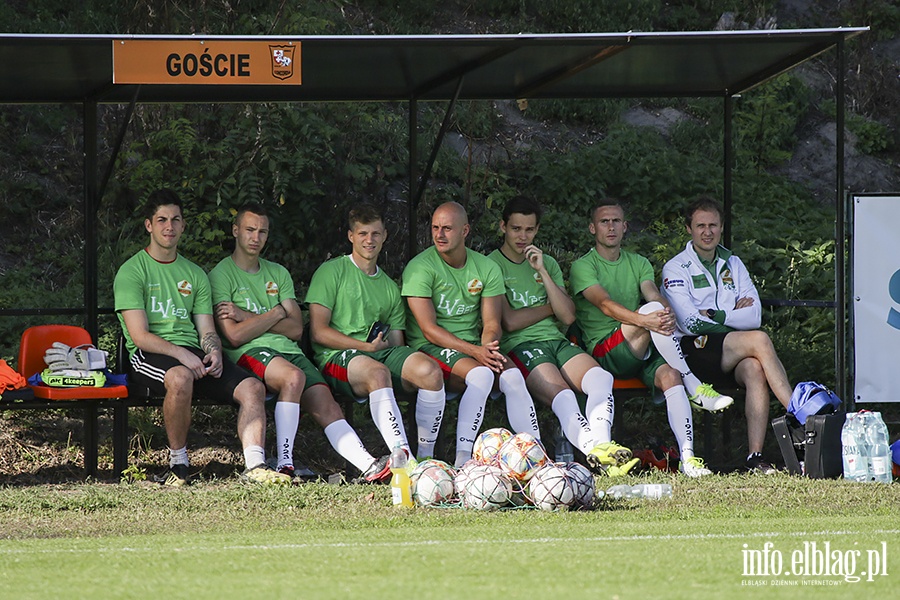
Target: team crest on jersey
(538,279)
(271,288)
(700,342)
(185,288)
(727,279)
(475,286)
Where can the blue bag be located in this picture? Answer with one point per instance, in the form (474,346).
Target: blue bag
(811,398)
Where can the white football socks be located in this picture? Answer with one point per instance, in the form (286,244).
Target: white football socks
(519,405)
(388,418)
(600,407)
(287,419)
(680,419)
(670,350)
(429,414)
(346,442)
(574,425)
(479,382)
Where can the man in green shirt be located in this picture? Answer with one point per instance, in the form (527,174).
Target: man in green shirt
(357,325)
(165,309)
(455,301)
(258,315)
(535,305)
(633,340)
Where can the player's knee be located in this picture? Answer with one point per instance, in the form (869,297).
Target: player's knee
(597,379)
(179,380)
(650,307)
(293,385)
(250,391)
(480,376)
(426,373)
(667,377)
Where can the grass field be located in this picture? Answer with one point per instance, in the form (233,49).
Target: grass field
(223,539)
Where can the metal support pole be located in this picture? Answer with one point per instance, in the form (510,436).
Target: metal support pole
(445,125)
(728,168)
(842,375)
(91,282)
(412,209)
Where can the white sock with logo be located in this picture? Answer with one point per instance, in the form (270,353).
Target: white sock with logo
(388,418)
(346,442)
(600,408)
(519,405)
(680,419)
(574,425)
(670,350)
(287,419)
(429,414)
(479,382)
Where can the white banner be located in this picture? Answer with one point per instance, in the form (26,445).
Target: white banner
(876,298)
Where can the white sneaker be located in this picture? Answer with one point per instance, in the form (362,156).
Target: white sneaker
(694,467)
(709,399)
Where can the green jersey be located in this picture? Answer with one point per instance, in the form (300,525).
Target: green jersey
(525,289)
(169,293)
(622,281)
(256,293)
(356,300)
(455,293)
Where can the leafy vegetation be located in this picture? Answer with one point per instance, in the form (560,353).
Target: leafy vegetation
(310,162)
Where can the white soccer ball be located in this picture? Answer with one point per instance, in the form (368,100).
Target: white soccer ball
(488,443)
(585,486)
(431,483)
(521,455)
(485,488)
(553,488)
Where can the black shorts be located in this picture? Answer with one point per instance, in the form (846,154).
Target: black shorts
(149,369)
(703,354)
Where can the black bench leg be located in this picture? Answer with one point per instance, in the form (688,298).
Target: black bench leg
(120,439)
(90,439)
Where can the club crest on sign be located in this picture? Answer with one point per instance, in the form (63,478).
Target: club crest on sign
(282,61)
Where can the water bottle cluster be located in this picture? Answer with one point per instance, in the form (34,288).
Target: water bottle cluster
(867,456)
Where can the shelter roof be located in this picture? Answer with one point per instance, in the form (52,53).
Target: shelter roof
(45,68)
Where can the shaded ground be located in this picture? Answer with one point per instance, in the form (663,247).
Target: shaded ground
(44,447)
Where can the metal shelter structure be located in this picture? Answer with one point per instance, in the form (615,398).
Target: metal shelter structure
(81,70)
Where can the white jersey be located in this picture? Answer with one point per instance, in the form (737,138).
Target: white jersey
(691,288)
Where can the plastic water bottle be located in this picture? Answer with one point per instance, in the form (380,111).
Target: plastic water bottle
(879,451)
(619,491)
(400,484)
(652,491)
(856,467)
(564,451)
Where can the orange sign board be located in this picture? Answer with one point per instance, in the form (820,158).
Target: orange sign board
(206,62)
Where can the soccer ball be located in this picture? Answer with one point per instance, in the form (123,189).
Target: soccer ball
(521,455)
(432,483)
(488,443)
(585,488)
(553,488)
(485,488)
